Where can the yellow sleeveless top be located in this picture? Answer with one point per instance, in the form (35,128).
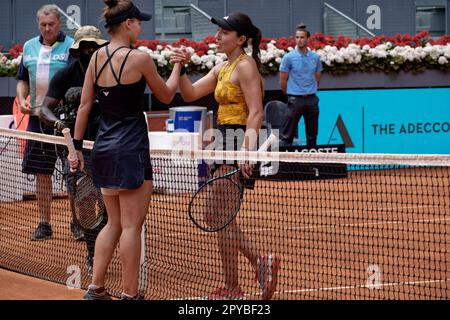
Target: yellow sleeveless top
(232,106)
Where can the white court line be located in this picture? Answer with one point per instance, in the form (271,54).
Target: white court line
(364,286)
(341,288)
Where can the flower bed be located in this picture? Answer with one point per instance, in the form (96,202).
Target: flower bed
(9,64)
(339,55)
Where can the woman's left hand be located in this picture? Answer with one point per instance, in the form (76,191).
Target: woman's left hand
(180,55)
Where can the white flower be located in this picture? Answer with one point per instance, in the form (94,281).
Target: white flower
(196,59)
(442,60)
(166,53)
(17,60)
(161,61)
(219,61)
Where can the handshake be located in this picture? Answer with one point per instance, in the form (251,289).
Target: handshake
(180,55)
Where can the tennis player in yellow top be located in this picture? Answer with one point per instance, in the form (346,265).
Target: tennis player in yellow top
(237,87)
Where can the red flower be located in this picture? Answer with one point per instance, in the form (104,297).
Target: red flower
(209,40)
(15,51)
(329,40)
(282,43)
(151,44)
(442,41)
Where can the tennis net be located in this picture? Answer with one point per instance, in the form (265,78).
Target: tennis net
(344,226)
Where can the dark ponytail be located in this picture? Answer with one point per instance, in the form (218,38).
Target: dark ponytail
(256,42)
(243,25)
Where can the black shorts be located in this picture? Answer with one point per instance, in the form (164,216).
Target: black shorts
(39,158)
(232,139)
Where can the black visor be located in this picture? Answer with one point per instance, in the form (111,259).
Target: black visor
(230,23)
(131,13)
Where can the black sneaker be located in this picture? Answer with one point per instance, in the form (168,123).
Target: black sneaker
(90,265)
(42,232)
(77,233)
(138,296)
(96,294)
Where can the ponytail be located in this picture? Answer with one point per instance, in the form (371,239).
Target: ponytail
(256,42)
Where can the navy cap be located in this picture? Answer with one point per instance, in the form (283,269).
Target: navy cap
(132,12)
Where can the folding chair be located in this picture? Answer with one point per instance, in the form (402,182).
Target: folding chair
(275,113)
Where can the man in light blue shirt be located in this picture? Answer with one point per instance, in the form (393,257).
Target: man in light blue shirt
(42,57)
(300,73)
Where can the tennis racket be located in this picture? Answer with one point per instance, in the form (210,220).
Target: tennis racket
(86,201)
(217,202)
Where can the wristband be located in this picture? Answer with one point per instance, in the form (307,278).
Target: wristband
(78,144)
(182,71)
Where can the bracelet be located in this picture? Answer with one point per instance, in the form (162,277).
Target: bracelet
(78,144)
(182,71)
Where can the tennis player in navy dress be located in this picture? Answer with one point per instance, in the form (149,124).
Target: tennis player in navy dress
(116,77)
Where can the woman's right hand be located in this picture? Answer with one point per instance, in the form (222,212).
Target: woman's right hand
(74,163)
(180,55)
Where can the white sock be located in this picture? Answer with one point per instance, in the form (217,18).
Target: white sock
(127,295)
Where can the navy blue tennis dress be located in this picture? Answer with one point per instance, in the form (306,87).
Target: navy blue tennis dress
(120,157)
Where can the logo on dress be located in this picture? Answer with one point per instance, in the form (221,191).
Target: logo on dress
(106,93)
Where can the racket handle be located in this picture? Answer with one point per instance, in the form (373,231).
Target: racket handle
(69,143)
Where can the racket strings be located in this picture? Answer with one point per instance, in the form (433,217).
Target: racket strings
(89,205)
(216,205)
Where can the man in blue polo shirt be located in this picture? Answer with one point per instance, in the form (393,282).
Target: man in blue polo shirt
(42,57)
(300,73)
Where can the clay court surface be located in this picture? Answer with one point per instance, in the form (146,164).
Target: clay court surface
(388,228)
(15,286)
